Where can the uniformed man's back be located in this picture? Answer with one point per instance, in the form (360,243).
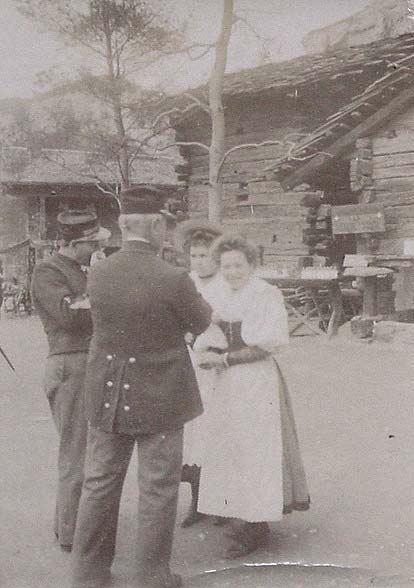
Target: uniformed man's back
(139,302)
(140,390)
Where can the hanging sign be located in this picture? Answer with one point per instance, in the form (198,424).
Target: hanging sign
(358,218)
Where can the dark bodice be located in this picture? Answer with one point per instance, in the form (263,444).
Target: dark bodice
(232,331)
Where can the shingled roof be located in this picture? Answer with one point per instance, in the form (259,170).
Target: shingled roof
(19,165)
(365,61)
(370,83)
(382,98)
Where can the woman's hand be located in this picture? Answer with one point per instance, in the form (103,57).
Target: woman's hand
(215,317)
(209,360)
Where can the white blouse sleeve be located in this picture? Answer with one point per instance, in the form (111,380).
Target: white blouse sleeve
(265,323)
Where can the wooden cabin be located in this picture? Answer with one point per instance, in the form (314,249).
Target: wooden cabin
(345,123)
(33,190)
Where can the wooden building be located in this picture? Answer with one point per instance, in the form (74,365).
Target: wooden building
(345,123)
(33,190)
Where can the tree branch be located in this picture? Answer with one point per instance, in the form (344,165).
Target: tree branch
(245,146)
(184,144)
(252,29)
(180,111)
(289,154)
(101,189)
(61,162)
(199,103)
(200,55)
(149,59)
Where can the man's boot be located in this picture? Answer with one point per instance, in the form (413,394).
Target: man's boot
(191,474)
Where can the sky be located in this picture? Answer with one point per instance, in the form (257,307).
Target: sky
(25,50)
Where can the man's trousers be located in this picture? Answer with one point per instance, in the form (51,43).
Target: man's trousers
(64,385)
(159,473)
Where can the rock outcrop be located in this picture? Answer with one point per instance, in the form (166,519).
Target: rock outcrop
(381,19)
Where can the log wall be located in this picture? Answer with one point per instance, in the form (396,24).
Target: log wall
(393,180)
(14,229)
(254,205)
(393,185)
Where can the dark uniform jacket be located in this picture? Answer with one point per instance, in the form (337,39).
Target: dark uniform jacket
(140,378)
(56,283)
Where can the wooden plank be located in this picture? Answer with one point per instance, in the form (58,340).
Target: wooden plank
(395,159)
(199,192)
(280,208)
(404,226)
(265,187)
(358,218)
(399,212)
(400,171)
(255,114)
(231,171)
(247,126)
(264,153)
(401,232)
(369,125)
(391,246)
(252,222)
(398,184)
(266,199)
(402,143)
(395,198)
(270,212)
(267,133)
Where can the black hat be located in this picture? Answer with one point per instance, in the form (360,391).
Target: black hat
(143,200)
(81,225)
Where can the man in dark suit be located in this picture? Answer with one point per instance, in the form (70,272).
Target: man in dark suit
(140,390)
(58,291)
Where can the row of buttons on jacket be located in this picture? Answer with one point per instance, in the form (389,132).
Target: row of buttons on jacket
(130,360)
(125,386)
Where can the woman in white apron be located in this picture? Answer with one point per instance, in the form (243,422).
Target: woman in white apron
(252,471)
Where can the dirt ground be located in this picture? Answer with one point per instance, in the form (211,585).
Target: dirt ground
(354,409)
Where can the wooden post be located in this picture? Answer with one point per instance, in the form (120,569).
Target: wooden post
(42,218)
(369,304)
(337,309)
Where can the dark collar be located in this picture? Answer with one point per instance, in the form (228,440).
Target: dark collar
(139,246)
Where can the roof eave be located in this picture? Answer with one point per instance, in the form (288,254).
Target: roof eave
(377,120)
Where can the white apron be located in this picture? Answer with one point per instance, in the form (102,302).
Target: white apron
(242,455)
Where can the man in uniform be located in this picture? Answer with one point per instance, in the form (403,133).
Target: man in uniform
(140,390)
(58,291)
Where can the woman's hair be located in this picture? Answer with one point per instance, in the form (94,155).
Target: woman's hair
(199,238)
(235,243)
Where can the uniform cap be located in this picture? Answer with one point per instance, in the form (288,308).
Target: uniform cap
(81,225)
(142,200)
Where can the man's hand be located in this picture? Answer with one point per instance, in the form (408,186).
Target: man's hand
(82,302)
(209,360)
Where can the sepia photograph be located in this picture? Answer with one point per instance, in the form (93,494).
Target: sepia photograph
(207,293)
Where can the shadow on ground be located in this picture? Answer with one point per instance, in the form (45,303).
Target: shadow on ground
(296,576)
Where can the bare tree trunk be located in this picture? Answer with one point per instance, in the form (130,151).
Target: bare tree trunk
(117,112)
(218,129)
